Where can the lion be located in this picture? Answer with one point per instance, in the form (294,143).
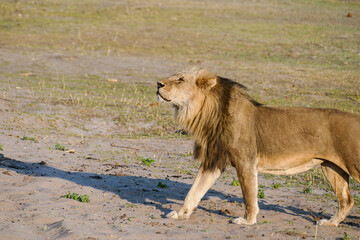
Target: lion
(229,127)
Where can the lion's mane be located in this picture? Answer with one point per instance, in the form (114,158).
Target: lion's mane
(210,125)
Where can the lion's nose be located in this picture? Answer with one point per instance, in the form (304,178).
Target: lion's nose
(160,85)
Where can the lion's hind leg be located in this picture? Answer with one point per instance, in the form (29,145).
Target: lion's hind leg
(339,181)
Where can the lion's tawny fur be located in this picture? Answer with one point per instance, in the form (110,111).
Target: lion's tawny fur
(230,127)
(210,124)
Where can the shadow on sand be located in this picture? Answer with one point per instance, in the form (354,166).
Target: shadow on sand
(141,190)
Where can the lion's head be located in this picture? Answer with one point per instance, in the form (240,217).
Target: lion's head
(199,97)
(201,101)
(188,92)
(186,88)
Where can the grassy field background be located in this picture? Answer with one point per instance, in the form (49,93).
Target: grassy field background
(316,34)
(302,53)
(289,52)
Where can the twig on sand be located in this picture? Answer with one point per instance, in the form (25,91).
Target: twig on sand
(115,145)
(317,219)
(28,177)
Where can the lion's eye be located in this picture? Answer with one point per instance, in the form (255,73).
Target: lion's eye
(181,80)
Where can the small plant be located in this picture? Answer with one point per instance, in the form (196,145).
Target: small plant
(308,183)
(84,198)
(182,171)
(59,147)
(261,194)
(1,147)
(25,138)
(307,190)
(276,185)
(162,185)
(346,237)
(147,161)
(269,176)
(235,182)
(131,205)
(77,197)
(262,186)
(357,200)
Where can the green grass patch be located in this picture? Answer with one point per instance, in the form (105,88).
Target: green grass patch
(269,176)
(261,194)
(346,236)
(235,182)
(307,190)
(25,138)
(357,200)
(275,185)
(77,197)
(265,221)
(131,205)
(59,147)
(147,161)
(162,185)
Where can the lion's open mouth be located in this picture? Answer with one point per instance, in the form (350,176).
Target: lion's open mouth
(162,98)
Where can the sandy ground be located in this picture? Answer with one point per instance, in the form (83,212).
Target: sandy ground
(125,200)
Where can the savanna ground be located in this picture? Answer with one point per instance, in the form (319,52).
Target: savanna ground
(79,114)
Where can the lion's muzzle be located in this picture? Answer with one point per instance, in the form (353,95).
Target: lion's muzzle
(159,96)
(160,85)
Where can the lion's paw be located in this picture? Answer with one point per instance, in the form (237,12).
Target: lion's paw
(242,221)
(172,214)
(327,222)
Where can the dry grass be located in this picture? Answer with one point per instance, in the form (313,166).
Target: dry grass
(298,53)
(311,33)
(302,53)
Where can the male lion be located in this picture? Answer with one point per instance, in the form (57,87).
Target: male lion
(230,127)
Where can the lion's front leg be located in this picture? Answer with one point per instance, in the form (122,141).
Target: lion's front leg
(203,181)
(249,187)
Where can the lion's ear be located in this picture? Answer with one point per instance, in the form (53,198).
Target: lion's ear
(205,80)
